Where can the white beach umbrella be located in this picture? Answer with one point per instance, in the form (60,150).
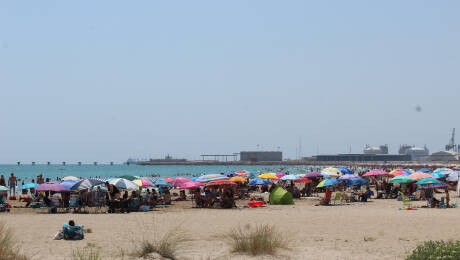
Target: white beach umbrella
(124,184)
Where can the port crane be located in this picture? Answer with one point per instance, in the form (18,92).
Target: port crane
(452,146)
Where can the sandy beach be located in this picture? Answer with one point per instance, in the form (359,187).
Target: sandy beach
(373,230)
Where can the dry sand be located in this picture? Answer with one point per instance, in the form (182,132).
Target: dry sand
(317,232)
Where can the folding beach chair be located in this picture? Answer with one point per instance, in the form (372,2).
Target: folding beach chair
(406,203)
(338,197)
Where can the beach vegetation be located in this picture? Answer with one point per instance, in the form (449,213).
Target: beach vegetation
(9,247)
(88,230)
(260,240)
(370,239)
(166,245)
(87,253)
(436,250)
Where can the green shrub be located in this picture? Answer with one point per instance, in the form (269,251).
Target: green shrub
(436,250)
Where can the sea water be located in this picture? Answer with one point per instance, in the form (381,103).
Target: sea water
(29,172)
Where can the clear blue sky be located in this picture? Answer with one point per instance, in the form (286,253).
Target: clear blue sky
(108,80)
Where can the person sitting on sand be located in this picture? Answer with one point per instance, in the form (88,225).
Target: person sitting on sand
(366,195)
(70,232)
(327,198)
(24,196)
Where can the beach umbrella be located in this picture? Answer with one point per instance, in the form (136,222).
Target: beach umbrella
(345,170)
(168,180)
(409,170)
(31,185)
(348,176)
(279,175)
(313,175)
(428,181)
(124,184)
(220,183)
(259,181)
(179,181)
(268,176)
(68,184)
(328,182)
(193,178)
(452,176)
(244,173)
(190,185)
(238,179)
(163,183)
(127,177)
(399,172)
(290,177)
(143,183)
(3,188)
(437,175)
(86,184)
(401,179)
(231,174)
(211,177)
(424,170)
(303,180)
(441,170)
(52,186)
(420,175)
(356,181)
(330,171)
(375,173)
(70,178)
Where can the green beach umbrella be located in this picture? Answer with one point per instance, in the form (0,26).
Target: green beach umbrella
(402,179)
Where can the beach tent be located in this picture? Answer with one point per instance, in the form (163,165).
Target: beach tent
(280,196)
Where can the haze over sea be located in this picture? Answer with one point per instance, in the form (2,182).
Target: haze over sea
(27,172)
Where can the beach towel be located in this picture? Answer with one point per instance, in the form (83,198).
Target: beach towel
(280,196)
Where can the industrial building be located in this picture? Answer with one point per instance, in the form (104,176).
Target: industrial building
(361,157)
(261,156)
(383,149)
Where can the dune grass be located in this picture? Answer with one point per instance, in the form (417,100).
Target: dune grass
(261,240)
(87,253)
(9,248)
(166,246)
(436,250)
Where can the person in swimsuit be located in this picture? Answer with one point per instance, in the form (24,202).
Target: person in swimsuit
(12,182)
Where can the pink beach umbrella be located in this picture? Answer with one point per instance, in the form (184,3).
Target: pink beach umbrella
(52,186)
(191,185)
(375,173)
(279,175)
(420,175)
(179,181)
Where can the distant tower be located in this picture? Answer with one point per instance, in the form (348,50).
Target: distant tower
(95,163)
(79,163)
(19,163)
(48,163)
(300,147)
(33,163)
(63,163)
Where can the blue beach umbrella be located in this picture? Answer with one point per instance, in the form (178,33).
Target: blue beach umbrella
(68,184)
(260,182)
(345,170)
(437,175)
(348,176)
(163,183)
(424,170)
(356,181)
(31,185)
(328,182)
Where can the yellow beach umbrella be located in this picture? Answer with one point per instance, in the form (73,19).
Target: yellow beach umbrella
(268,176)
(238,179)
(331,171)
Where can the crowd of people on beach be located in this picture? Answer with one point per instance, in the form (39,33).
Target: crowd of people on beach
(108,197)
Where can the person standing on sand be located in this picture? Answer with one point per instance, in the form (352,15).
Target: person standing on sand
(2,181)
(12,182)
